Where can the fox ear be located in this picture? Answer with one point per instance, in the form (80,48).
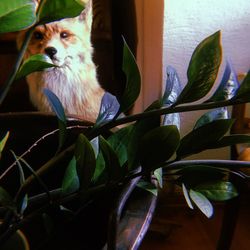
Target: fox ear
(87,14)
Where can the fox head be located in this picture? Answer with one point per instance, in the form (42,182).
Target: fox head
(67,44)
(63,41)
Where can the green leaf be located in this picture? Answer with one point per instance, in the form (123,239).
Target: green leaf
(53,10)
(3,142)
(218,191)
(16,15)
(243,92)
(70,183)
(150,187)
(158,145)
(231,140)
(108,110)
(34,63)
(6,200)
(228,86)
(202,203)
(58,109)
(210,116)
(138,130)
(119,142)
(195,175)
(100,174)
(202,70)
(85,161)
(158,175)
(133,80)
(111,160)
(186,196)
(203,137)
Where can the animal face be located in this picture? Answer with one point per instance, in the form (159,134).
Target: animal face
(67,44)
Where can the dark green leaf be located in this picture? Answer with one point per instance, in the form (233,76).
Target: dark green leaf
(85,160)
(55,104)
(172,88)
(16,15)
(228,86)
(158,175)
(218,191)
(133,80)
(6,200)
(58,109)
(231,140)
(243,92)
(53,10)
(111,160)
(138,130)
(100,175)
(203,137)
(148,187)
(119,142)
(202,203)
(196,174)
(108,110)
(216,114)
(34,63)
(202,70)
(158,145)
(71,181)
(3,142)
(187,197)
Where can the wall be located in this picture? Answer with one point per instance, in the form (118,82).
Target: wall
(186,23)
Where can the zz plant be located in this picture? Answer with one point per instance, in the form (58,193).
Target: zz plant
(150,145)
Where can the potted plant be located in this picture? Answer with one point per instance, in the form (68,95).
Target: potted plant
(60,182)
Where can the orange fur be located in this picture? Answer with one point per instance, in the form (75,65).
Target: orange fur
(74,81)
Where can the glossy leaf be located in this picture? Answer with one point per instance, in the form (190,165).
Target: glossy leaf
(172,88)
(111,160)
(58,109)
(3,142)
(100,174)
(157,146)
(53,10)
(171,93)
(71,182)
(202,70)
(148,187)
(228,86)
(138,130)
(218,191)
(133,80)
(34,63)
(158,173)
(16,15)
(6,200)
(231,140)
(202,203)
(243,92)
(203,137)
(108,110)
(24,202)
(196,174)
(187,197)
(119,142)
(210,116)
(85,161)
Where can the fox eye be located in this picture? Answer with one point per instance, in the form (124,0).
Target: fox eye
(64,34)
(38,35)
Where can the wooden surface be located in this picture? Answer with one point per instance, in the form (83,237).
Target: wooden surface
(176,227)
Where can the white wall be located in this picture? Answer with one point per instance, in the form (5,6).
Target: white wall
(188,22)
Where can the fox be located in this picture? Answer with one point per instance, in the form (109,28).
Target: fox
(67,44)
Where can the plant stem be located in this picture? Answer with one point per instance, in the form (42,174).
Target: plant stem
(163,111)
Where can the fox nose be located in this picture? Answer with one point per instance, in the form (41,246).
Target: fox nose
(50,51)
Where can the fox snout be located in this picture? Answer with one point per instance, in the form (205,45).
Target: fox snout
(50,51)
